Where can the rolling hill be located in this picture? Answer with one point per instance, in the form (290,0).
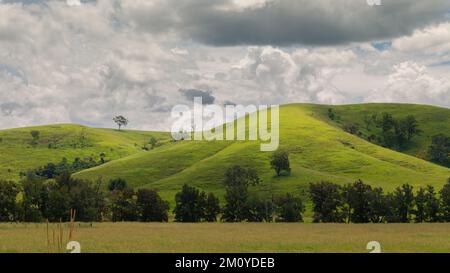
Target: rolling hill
(19,154)
(319,150)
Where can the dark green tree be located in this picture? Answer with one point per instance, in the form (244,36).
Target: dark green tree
(35,137)
(420,201)
(8,205)
(280,162)
(357,197)
(445,201)
(34,199)
(439,150)
(289,208)
(212,208)
(401,204)
(123,205)
(327,202)
(117,184)
(152,208)
(378,207)
(237,181)
(259,209)
(432,205)
(190,205)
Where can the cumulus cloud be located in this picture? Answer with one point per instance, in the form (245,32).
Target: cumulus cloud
(432,40)
(411,82)
(89,62)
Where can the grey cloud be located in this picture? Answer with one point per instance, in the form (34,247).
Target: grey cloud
(8,108)
(190,94)
(287,22)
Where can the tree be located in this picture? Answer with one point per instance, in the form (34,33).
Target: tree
(331,114)
(189,205)
(378,208)
(352,128)
(259,209)
(117,184)
(432,206)
(35,135)
(411,126)
(67,193)
(280,162)
(357,196)
(401,204)
(153,141)
(212,208)
(123,205)
(439,150)
(289,208)
(8,206)
(34,199)
(420,202)
(327,202)
(237,181)
(102,158)
(120,121)
(445,201)
(151,206)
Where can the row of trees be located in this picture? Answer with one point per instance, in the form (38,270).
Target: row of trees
(53,199)
(360,203)
(52,170)
(46,199)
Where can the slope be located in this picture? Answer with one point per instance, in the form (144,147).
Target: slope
(318,151)
(19,153)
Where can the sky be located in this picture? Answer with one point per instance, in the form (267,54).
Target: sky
(85,61)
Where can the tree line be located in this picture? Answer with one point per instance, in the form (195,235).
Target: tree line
(352,203)
(42,199)
(361,203)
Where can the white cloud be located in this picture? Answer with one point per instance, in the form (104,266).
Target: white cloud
(412,83)
(85,64)
(433,39)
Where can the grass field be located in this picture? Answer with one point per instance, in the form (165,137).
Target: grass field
(239,237)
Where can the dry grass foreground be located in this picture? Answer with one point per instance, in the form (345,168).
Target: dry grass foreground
(239,237)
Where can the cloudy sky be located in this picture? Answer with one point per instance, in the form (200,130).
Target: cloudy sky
(84,61)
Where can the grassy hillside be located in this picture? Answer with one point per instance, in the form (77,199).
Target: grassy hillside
(318,151)
(432,120)
(18,153)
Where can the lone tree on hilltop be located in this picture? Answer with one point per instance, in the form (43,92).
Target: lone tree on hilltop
(120,121)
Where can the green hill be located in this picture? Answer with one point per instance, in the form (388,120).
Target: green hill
(319,150)
(19,153)
(432,121)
